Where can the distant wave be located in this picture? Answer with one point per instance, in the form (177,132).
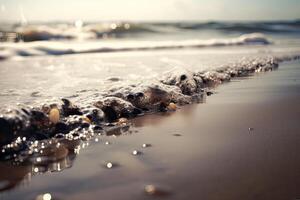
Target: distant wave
(38,32)
(69,31)
(245,27)
(61,48)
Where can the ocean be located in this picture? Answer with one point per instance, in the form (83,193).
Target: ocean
(70,88)
(41,62)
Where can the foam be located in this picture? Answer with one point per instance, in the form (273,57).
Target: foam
(86,116)
(62,48)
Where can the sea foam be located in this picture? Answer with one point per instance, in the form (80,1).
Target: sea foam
(8,50)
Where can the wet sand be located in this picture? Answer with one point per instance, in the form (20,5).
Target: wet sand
(242,143)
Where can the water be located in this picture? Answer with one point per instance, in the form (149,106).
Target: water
(32,72)
(215,156)
(137,67)
(109,68)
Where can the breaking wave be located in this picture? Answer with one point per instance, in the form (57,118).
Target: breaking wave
(61,48)
(80,30)
(111,109)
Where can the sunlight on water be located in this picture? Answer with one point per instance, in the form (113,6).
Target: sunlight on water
(78,24)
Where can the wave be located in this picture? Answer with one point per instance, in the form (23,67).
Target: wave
(37,32)
(245,27)
(79,30)
(111,109)
(61,48)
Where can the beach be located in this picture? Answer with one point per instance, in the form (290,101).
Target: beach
(139,99)
(149,110)
(241,142)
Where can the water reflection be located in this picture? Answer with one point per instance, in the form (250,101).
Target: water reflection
(56,155)
(54,160)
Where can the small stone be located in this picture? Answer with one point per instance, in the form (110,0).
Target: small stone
(172,106)
(61,127)
(177,134)
(54,115)
(46,196)
(86,119)
(208,93)
(156,191)
(69,109)
(122,120)
(146,145)
(136,152)
(150,189)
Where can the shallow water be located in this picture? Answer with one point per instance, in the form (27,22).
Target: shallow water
(177,163)
(196,152)
(42,71)
(38,80)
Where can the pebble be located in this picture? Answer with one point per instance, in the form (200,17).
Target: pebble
(146,145)
(54,115)
(177,134)
(86,119)
(46,196)
(122,121)
(172,107)
(208,93)
(156,190)
(136,152)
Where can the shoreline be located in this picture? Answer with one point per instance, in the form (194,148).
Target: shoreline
(201,151)
(178,88)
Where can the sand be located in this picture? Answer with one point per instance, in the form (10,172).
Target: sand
(243,142)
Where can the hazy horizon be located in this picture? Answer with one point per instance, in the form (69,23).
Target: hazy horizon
(145,10)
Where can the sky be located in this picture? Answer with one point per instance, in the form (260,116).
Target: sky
(148,10)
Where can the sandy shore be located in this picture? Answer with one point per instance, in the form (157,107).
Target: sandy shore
(242,143)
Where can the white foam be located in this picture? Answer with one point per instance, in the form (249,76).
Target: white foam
(63,47)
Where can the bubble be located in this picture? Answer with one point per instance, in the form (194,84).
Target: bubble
(127,26)
(145,145)
(107,143)
(36,169)
(113,26)
(78,23)
(109,165)
(47,196)
(136,152)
